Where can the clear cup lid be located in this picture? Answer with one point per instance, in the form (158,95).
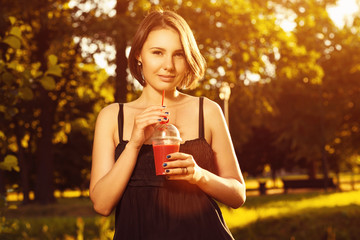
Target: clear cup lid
(166,131)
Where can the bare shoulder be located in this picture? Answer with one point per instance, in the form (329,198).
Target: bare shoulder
(109,112)
(106,125)
(211,109)
(213,118)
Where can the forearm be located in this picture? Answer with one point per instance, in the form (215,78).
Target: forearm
(109,189)
(229,191)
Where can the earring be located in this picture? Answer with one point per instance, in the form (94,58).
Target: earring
(139,63)
(142,77)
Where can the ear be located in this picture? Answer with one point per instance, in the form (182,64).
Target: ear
(139,59)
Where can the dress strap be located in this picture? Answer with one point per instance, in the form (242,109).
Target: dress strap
(201,118)
(121,121)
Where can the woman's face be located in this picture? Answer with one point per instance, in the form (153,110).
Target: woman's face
(163,60)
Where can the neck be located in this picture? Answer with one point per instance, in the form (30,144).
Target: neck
(150,96)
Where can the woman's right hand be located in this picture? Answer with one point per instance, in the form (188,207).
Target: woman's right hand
(144,125)
(110,176)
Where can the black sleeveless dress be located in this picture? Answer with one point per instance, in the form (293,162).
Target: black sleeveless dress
(153,208)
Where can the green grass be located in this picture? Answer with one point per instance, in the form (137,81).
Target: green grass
(68,218)
(295,216)
(348,181)
(64,207)
(313,223)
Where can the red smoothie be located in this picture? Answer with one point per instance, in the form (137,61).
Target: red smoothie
(160,153)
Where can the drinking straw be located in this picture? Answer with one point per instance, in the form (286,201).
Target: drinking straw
(162,104)
(162,100)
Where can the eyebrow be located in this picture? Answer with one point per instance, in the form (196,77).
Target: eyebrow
(163,49)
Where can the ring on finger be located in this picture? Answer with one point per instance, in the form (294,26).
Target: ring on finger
(184,170)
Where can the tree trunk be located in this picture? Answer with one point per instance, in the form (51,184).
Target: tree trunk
(44,192)
(312,169)
(273,175)
(325,168)
(24,171)
(121,60)
(44,185)
(2,184)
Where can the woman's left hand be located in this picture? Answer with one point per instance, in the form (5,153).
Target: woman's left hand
(182,166)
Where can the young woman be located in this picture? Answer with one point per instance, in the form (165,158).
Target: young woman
(181,204)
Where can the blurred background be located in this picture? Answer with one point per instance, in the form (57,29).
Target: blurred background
(286,73)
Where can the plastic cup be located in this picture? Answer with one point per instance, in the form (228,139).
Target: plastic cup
(165,140)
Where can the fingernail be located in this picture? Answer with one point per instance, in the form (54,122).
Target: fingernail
(164,106)
(159,120)
(167,170)
(165,118)
(168,156)
(166,112)
(165,164)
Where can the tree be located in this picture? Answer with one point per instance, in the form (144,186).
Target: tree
(60,91)
(314,125)
(285,85)
(341,93)
(17,84)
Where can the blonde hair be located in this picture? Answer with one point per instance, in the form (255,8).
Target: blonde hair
(160,19)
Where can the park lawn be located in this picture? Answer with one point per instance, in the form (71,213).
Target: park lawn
(348,181)
(314,215)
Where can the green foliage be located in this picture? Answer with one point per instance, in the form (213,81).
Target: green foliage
(46,80)
(13,81)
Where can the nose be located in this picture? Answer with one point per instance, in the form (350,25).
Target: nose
(168,63)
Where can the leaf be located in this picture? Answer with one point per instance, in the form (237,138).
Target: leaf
(7,78)
(26,93)
(12,20)
(36,73)
(88,67)
(13,65)
(10,163)
(246,56)
(67,128)
(48,83)
(16,32)
(54,70)
(60,137)
(2,66)
(27,76)
(12,111)
(25,141)
(2,135)
(12,41)
(52,60)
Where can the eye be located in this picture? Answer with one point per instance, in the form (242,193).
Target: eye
(179,54)
(157,52)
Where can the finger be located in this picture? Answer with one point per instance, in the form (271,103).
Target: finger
(178,155)
(179,171)
(150,118)
(148,114)
(179,177)
(154,107)
(146,121)
(178,164)
(154,112)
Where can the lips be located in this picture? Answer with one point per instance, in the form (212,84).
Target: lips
(166,78)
